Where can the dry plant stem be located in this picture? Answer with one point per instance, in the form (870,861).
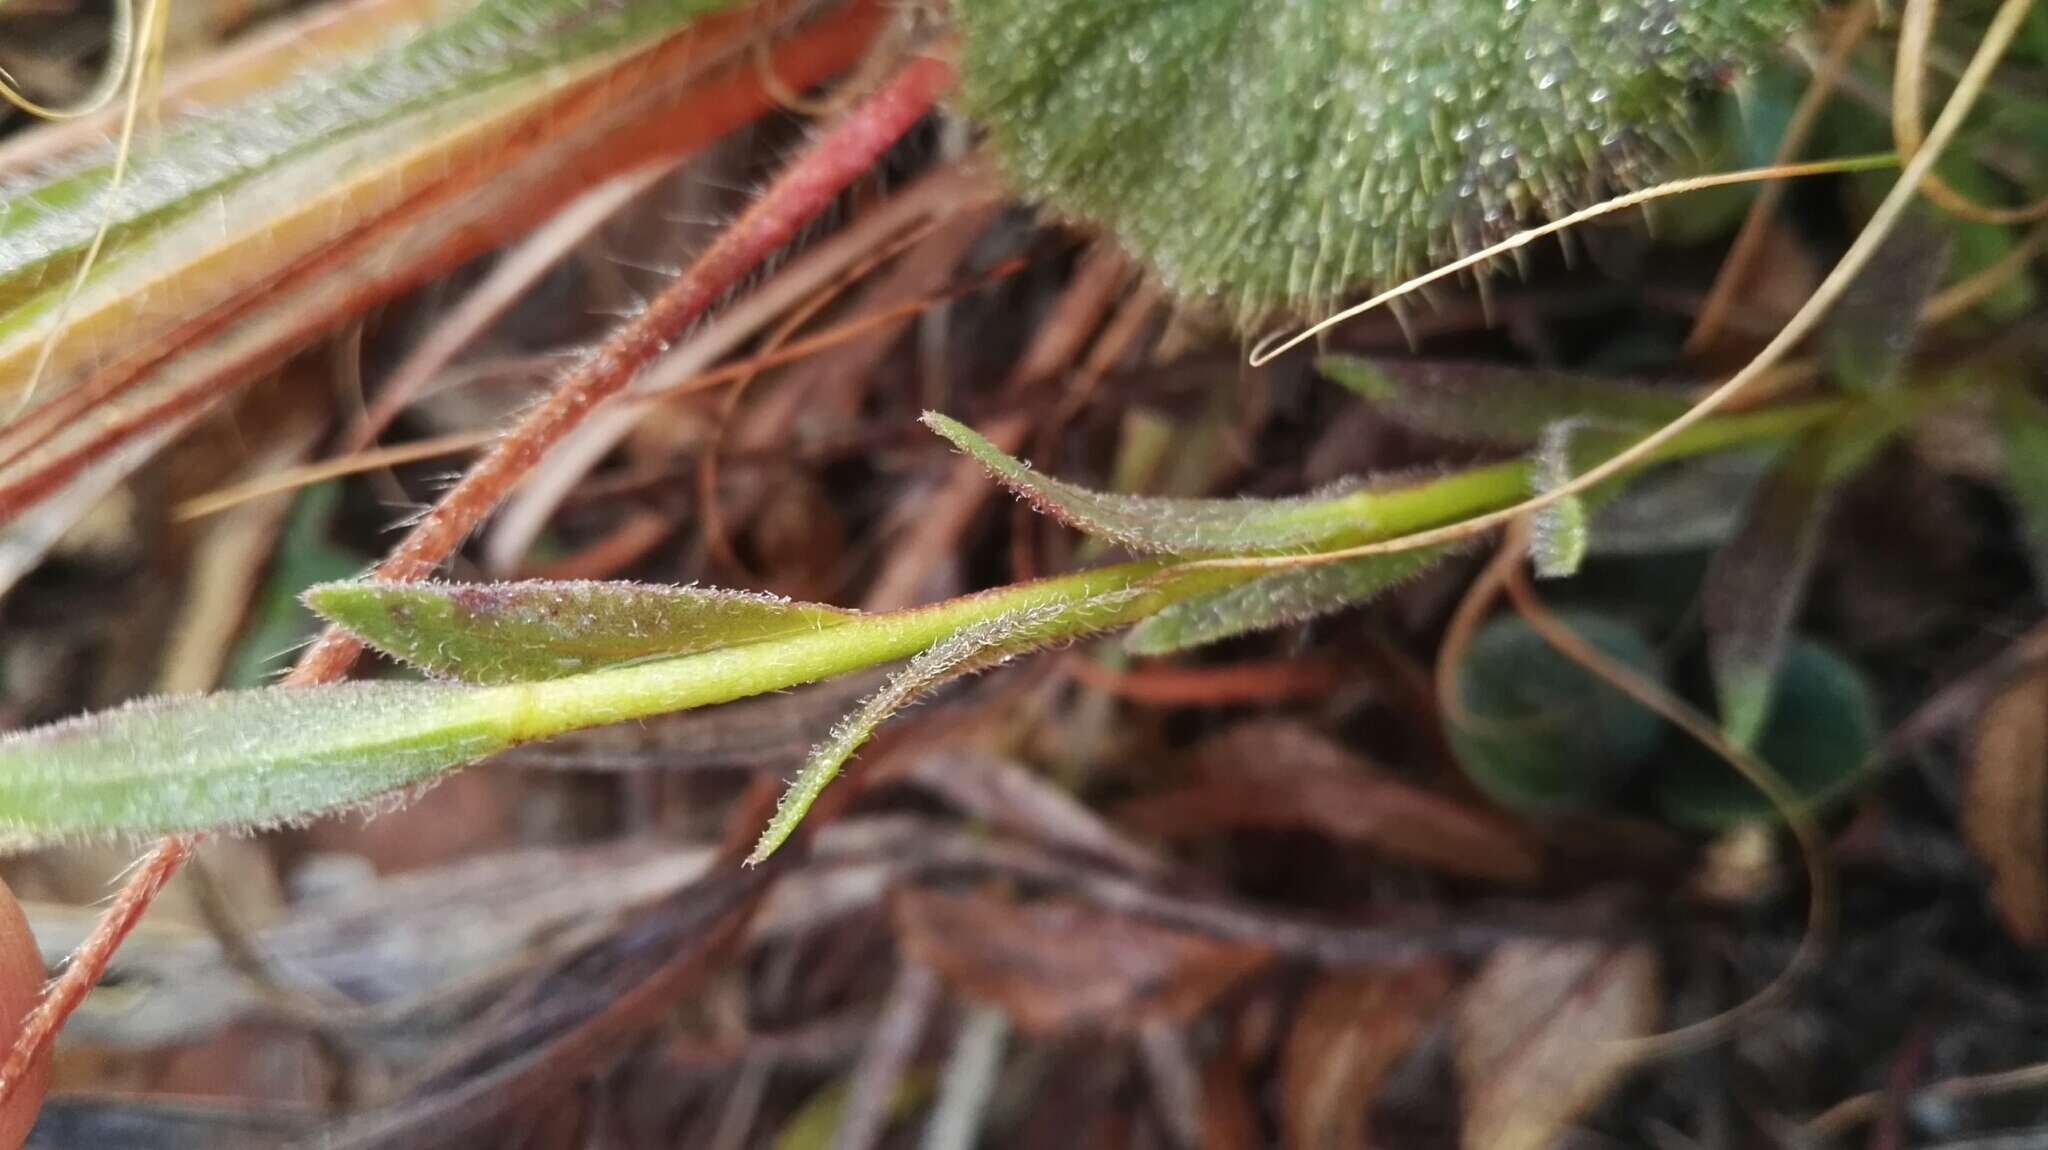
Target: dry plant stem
(808,186)
(1812,843)
(1959,297)
(508,279)
(716,540)
(1851,1112)
(1916,31)
(222,499)
(513,530)
(1749,241)
(1997,37)
(1472,610)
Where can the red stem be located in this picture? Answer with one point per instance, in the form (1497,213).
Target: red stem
(803,190)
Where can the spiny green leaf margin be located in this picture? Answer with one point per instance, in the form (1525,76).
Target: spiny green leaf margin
(1288,596)
(529,631)
(1498,403)
(1155,523)
(1558,533)
(1269,153)
(976,647)
(237,760)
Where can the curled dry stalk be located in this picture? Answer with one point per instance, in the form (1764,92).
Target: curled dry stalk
(806,187)
(1784,800)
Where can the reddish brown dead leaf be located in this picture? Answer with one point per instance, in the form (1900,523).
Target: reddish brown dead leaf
(2005,813)
(1283,774)
(1059,964)
(1350,1031)
(1535,1032)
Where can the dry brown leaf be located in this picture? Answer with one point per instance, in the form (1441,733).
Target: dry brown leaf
(2005,812)
(1350,1031)
(1059,964)
(1282,774)
(1534,1033)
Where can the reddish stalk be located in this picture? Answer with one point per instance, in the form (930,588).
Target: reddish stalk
(804,189)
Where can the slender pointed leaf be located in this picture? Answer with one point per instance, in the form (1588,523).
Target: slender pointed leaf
(1872,330)
(1289,596)
(976,647)
(237,760)
(1756,584)
(1157,523)
(1498,403)
(523,632)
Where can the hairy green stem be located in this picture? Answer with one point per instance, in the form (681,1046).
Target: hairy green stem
(529,711)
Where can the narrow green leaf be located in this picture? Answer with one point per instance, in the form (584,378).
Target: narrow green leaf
(1872,330)
(1756,584)
(523,632)
(1288,596)
(976,647)
(1538,732)
(238,760)
(1557,537)
(1822,729)
(1499,403)
(1686,506)
(1156,523)
(2023,424)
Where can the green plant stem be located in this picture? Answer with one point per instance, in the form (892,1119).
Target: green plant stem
(529,711)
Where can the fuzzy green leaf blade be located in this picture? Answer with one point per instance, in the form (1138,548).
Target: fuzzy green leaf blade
(974,648)
(1155,523)
(529,631)
(1756,584)
(1498,403)
(1288,596)
(239,760)
(1265,152)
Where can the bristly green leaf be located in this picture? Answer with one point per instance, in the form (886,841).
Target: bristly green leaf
(1153,523)
(2023,424)
(1872,330)
(1267,152)
(238,760)
(974,648)
(524,632)
(1557,535)
(1288,596)
(1757,583)
(1498,403)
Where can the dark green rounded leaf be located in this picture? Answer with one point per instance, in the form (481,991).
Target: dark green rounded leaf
(1539,732)
(1822,728)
